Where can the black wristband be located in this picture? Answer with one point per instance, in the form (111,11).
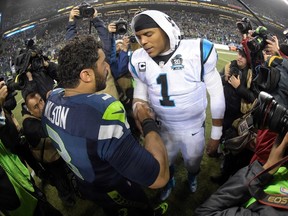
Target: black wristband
(149,125)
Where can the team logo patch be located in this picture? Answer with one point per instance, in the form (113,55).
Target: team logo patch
(284,190)
(142,66)
(177,62)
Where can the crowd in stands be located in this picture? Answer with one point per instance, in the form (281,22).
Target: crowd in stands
(51,36)
(26,10)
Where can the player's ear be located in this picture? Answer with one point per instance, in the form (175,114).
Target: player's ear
(86,75)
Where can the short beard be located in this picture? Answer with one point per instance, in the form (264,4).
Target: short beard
(100,83)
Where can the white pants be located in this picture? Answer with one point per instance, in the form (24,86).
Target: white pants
(191,145)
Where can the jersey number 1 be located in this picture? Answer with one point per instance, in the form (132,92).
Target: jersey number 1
(162,80)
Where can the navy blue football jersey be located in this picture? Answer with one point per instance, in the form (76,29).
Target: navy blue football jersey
(91,133)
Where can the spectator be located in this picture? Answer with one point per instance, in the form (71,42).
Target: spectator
(93,136)
(43,150)
(172,75)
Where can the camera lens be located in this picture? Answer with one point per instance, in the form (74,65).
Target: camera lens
(269,114)
(121,29)
(132,39)
(88,12)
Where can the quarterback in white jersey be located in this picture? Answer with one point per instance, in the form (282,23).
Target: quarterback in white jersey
(172,75)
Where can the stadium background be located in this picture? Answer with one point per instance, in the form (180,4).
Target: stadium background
(53,19)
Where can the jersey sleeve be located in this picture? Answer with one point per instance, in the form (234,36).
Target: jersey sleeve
(140,88)
(134,162)
(213,80)
(118,146)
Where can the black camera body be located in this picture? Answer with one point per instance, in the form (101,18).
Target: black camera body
(121,26)
(132,39)
(244,25)
(234,71)
(85,10)
(258,42)
(11,87)
(268,114)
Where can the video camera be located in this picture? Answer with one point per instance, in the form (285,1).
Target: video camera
(86,10)
(258,42)
(121,26)
(268,114)
(29,58)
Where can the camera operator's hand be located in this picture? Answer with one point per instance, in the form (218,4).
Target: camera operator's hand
(272,47)
(29,76)
(3,93)
(234,81)
(95,13)
(112,27)
(266,55)
(277,153)
(73,13)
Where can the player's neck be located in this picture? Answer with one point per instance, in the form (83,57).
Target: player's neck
(72,92)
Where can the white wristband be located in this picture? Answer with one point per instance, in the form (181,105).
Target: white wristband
(216,132)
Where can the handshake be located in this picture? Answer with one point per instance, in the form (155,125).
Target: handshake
(142,111)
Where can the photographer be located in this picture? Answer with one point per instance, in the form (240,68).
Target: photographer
(121,51)
(273,48)
(257,189)
(10,133)
(235,197)
(236,78)
(273,79)
(270,74)
(92,14)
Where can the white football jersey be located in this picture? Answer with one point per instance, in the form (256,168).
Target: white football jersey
(176,90)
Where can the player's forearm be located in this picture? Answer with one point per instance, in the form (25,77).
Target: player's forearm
(155,146)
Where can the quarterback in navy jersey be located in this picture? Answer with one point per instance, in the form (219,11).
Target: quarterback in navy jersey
(91,133)
(172,75)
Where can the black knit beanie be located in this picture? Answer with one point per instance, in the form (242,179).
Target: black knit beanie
(144,21)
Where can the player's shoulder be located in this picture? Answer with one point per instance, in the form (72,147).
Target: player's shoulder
(139,53)
(96,100)
(56,92)
(108,105)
